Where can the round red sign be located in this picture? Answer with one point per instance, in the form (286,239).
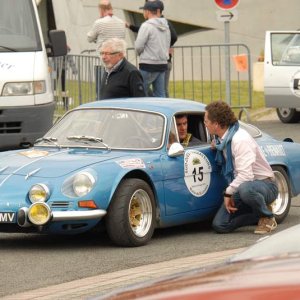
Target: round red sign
(227,4)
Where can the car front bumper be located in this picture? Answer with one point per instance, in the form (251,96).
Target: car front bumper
(78,215)
(24,219)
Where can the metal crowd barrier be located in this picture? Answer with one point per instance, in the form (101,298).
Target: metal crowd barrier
(198,73)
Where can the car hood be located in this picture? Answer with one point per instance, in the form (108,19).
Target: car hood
(268,269)
(244,280)
(51,163)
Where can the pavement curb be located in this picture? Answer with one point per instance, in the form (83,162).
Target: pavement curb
(261,114)
(103,284)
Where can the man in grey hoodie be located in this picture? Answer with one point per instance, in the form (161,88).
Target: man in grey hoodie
(152,45)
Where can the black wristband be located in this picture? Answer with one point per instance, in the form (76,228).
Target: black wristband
(226,195)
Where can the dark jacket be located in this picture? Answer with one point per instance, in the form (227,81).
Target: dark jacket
(125,81)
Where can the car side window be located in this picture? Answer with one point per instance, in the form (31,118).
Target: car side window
(285,49)
(173,136)
(188,129)
(197,128)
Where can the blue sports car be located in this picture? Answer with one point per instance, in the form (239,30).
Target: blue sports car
(119,163)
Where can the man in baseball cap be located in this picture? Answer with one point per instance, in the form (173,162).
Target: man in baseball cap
(153,5)
(152,45)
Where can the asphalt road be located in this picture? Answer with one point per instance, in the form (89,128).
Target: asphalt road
(279,130)
(33,261)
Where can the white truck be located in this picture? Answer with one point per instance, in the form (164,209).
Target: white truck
(26,97)
(282,74)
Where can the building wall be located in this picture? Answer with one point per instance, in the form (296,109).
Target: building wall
(254,18)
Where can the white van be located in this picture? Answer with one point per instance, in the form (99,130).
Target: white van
(282,74)
(26,98)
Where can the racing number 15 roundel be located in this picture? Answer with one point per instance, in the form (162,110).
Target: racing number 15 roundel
(197,172)
(226,4)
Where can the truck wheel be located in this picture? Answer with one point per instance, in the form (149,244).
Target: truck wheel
(288,115)
(281,205)
(131,214)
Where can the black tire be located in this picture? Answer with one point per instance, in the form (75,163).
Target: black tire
(288,115)
(130,219)
(281,206)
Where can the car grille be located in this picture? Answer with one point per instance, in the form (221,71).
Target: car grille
(10,127)
(61,204)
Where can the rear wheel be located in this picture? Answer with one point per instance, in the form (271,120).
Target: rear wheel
(288,115)
(131,214)
(281,205)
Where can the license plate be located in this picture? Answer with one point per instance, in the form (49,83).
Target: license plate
(7,217)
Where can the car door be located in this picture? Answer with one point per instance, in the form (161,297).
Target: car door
(282,74)
(192,180)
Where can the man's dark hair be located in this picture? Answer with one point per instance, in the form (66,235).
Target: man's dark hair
(220,112)
(179,116)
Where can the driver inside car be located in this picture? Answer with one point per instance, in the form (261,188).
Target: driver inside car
(186,138)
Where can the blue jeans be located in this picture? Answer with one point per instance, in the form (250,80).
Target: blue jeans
(157,80)
(251,200)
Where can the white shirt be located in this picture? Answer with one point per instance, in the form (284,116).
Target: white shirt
(249,162)
(106,28)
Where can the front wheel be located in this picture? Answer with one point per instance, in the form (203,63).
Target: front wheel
(288,115)
(131,214)
(281,205)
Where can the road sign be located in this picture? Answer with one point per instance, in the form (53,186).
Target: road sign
(227,16)
(227,4)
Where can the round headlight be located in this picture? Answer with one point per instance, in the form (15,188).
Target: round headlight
(39,213)
(83,183)
(39,193)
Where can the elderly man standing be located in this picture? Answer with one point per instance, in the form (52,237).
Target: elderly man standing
(152,45)
(106,27)
(121,79)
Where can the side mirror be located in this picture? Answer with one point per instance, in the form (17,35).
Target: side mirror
(58,43)
(175,150)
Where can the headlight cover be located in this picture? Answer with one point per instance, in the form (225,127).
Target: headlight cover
(39,193)
(79,185)
(39,213)
(24,88)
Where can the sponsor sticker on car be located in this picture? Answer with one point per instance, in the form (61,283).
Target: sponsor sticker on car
(132,163)
(34,153)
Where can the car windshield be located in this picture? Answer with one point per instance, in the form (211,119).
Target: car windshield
(18,29)
(109,129)
(251,129)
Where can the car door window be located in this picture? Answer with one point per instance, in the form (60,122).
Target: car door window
(196,133)
(285,49)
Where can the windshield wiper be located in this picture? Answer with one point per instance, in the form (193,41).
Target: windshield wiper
(48,139)
(8,48)
(87,138)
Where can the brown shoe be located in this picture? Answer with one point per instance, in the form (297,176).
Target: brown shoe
(270,206)
(265,225)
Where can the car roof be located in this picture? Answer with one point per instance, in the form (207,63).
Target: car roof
(167,106)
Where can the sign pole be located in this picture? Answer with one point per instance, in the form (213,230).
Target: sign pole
(227,63)
(227,15)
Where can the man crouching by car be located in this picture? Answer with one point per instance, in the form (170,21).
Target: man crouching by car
(251,183)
